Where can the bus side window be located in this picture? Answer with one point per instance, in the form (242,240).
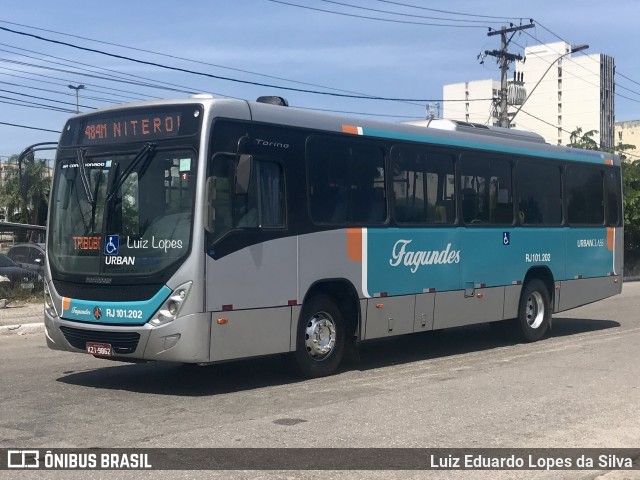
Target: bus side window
(613,197)
(539,190)
(421,189)
(264,206)
(346,181)
(486,190)
(585,195)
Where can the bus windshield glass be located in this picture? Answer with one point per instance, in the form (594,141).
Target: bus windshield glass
(122,214)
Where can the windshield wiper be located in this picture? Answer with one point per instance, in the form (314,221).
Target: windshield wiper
(144,155)
(83,176)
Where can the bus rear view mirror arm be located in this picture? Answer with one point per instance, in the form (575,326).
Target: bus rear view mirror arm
(243,174)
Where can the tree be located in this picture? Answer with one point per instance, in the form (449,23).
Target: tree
(585,140)
(26,202)
(631,190)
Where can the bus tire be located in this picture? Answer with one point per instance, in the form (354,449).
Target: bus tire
(534,311)
(320,339)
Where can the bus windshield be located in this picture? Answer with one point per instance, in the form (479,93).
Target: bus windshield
(121,214)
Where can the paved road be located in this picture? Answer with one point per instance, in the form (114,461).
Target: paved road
(22,313)
(458,388)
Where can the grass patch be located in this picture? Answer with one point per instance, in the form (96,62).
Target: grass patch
(21,296)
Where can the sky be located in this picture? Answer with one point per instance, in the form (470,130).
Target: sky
(279,44)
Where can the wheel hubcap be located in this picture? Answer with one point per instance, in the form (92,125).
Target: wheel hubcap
(320,336)
(535,310)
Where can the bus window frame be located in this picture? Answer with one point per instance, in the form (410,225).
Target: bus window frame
(565,196)
(560,166)
(384,148)
(250,229)
(488,156)
(619,196)
(428,149)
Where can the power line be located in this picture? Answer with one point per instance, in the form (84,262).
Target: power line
(117,75)
(552,33)
(107,100)
(541,57)
(587,55)
(193,72)
(406,14)
(94,87)
(447,11)
(99,77)
(48,90)
(25,103)
(357,113)
(42,98)
(30,128)
(504,58)
(544,121)
(586,69)
(176,57)
(627,78)
(376,18)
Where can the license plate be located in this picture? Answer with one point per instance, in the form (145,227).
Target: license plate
(99,349)
(27,286)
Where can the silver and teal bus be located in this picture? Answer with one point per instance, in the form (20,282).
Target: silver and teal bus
(205,229)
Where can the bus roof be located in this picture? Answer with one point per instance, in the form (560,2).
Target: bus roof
(440,131)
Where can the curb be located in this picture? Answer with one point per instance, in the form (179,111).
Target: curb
(23,329)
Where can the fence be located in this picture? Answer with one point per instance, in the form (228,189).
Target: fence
(12,233)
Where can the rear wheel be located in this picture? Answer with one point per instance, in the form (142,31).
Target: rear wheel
(534,311)
(320,338)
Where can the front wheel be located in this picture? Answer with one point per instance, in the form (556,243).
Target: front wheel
(320,338)
(534,311)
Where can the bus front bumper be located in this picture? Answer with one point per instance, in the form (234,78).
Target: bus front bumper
(185,339)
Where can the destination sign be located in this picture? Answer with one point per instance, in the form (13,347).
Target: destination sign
(131,126)
(138,127)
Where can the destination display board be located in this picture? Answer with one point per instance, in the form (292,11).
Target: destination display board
(132,125)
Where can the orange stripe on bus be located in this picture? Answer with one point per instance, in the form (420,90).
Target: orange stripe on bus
(610,237)
(66,303)
(352,129)
(354,244)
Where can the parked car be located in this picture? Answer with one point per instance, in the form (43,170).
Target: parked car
(13,276)
(29,256)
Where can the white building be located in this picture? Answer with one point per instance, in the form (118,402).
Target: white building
(565,91)
(628,133)
(471,101)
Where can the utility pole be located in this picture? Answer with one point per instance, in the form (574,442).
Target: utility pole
(432,109)
(504,59)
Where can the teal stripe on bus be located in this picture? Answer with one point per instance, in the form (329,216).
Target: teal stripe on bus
(121,313)
(414,260)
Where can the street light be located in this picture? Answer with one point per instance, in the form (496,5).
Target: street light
(77,89)
(574,49)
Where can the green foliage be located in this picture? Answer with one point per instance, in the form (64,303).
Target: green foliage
(26,202)
(631,189)
(585,140)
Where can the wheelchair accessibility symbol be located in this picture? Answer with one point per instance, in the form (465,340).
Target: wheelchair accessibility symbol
(506,238)
(112,245)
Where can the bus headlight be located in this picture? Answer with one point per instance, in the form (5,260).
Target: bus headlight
(171,307)
(48,302)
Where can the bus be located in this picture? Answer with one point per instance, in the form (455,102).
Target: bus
(208,229)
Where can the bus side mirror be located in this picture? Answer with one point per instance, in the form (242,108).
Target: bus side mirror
(243,174)
(210,208)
